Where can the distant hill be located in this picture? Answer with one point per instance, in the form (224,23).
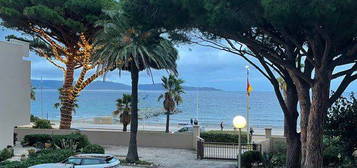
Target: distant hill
(100,85)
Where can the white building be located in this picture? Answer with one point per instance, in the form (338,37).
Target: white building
(15,89)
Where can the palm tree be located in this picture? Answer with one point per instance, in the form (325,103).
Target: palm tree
(130,48)
(61,100)
(172,96)
(123,107)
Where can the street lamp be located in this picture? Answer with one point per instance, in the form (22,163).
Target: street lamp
(239,122)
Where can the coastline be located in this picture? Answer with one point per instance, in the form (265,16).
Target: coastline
(105,123)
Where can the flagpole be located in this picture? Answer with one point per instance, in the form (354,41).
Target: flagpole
(247,115)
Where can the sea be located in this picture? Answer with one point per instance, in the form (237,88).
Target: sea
(208,107)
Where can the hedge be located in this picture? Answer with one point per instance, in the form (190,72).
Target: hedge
(93,149)
(223,136)
(55,139)
(44,156)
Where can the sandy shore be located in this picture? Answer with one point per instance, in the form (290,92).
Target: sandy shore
(105,123)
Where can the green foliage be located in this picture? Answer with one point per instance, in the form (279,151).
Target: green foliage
(69,16)
(332,148)
(126,46)
(173,87)
(82,140)
(277,157)
(340,125)
(223,136)
(251,157)
(34,118)
(42,124)
(31,140)
(44,156)
(124,102)
(93,148)
(6,153)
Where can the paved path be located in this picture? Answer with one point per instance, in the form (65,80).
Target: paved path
(171,158)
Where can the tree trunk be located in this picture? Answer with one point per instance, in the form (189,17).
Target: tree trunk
(167,122)
(319,106)
(68,98)
(125,127)
(292,137)
(304,102)
(132,155)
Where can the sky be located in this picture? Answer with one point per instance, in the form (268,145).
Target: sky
(197,66)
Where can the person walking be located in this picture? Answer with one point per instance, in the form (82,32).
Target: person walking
(191,121)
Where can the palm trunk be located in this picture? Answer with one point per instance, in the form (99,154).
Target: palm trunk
(132,155)
(125,127)
(319,103)
(167,122)
(68,99)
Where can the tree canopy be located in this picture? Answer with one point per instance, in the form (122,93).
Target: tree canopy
(61,19)
(305,42)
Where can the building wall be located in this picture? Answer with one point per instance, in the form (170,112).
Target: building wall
(15,88)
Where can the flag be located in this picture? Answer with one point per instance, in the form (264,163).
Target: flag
(249,88)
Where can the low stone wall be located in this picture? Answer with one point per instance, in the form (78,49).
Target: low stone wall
(271,144)
(119,138)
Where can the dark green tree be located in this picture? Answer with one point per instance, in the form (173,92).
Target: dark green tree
(61,31)
(341,124)
(304,42)
(131,48)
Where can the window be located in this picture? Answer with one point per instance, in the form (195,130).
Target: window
(75,161)
(92,161)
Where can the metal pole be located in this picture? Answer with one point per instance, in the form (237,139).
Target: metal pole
(247,108)
(41,87)
(239,149)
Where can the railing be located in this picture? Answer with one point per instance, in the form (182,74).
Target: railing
(222,150)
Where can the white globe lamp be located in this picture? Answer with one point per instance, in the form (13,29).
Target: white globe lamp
(239,122)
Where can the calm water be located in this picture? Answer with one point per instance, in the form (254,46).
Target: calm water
(214,106)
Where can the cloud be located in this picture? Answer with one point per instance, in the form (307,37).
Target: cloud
(197,65)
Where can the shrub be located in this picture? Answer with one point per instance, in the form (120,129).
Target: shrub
(279,153)
(42,124)
(332,148)
(94,148)
(223,136)
(43,156)
(32,139)
(34,118)
(82,140)
(6,153)
(251,157)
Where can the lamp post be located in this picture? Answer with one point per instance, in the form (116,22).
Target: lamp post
(239,122)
